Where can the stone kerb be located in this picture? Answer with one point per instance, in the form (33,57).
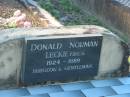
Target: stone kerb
(12,41)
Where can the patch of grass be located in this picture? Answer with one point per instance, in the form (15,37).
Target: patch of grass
(49,6)
(68,6)
(67,13)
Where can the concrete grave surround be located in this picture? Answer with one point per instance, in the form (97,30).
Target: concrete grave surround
(12,41)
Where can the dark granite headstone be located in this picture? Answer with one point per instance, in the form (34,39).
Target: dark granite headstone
(61,58)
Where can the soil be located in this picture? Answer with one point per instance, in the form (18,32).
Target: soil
(7,8)
(68,13)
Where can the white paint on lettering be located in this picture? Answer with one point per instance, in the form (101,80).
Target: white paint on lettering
(42,47)
(83,44)
(44,70)
(78,67)
(52,62)
(56,54)
(63,54)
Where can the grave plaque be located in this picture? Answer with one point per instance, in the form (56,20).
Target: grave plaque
(61,57)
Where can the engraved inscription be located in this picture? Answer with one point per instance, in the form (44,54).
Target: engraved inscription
(40,47)
(61,58)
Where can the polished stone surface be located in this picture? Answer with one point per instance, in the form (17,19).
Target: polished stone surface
(76,93)
(122,95)
(39,95)
(117,87)
(77,86)
(99,92)
(122,89)
(14,92)
(104,83)
(125,80)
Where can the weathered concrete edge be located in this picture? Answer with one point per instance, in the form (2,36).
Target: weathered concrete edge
(18,33)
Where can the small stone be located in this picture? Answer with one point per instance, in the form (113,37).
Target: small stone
(24,16)
(21,18)
(44,22)
(17,13)
(35,13)
(27,24)
(11,19)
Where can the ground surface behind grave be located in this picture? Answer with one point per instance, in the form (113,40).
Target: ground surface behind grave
(67,13)
(115,14)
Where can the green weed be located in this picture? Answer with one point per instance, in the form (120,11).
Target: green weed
(72,15)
